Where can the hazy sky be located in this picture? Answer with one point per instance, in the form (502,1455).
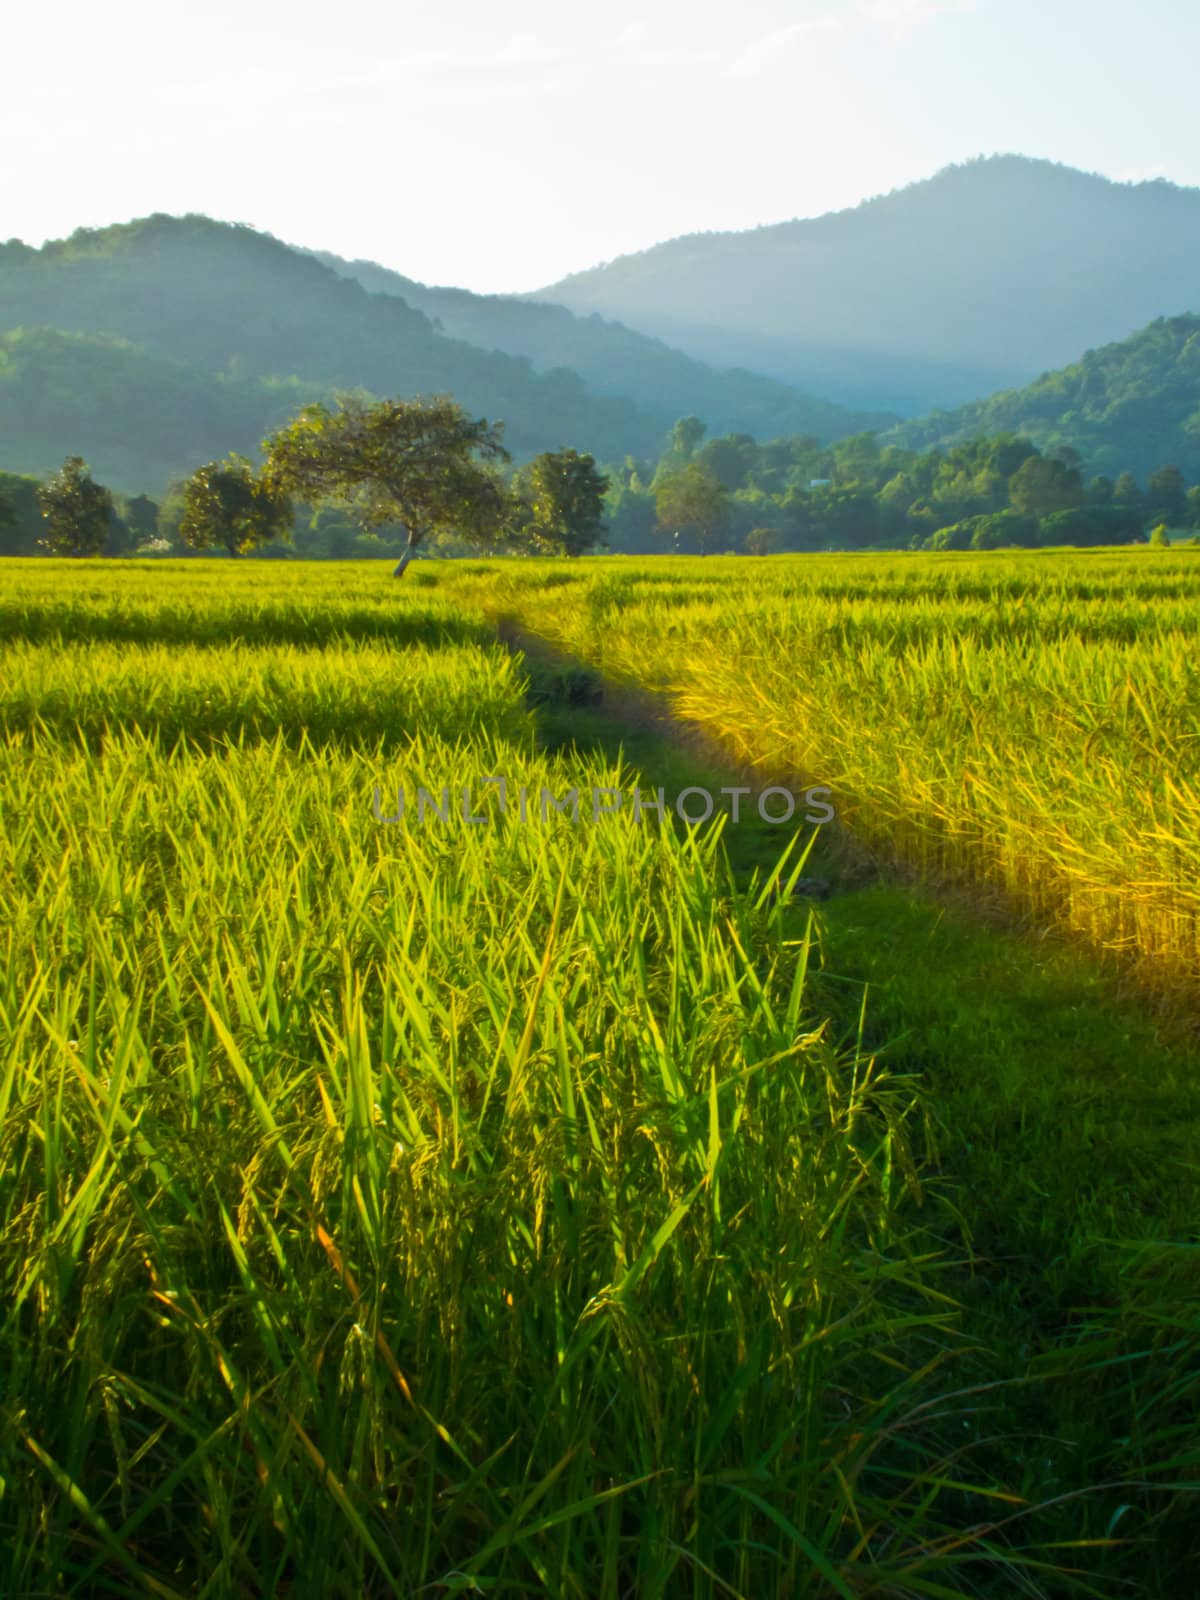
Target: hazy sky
(500,146)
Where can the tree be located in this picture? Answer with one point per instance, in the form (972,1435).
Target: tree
(20,530)
(693,499)
(406,461)
(633,474)
(1099,491)
(630,517)
(1043,485)
(77,511)
(856,459)
(732,459)
(1006,452)
(1160,537)
(846,515)
(1166,496)
(141,518)
(999,530)
(686,436)
(560,496)
(1092,525)
(1127,493)
(226,504)
(761,541)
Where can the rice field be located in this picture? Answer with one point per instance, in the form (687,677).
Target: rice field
(1027,721)
(393,1209)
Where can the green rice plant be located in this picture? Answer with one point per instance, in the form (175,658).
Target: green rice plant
(194,602)
(437,1205)
(348,691)
(1031,722)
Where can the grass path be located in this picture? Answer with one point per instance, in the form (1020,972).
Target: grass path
(1064,1121)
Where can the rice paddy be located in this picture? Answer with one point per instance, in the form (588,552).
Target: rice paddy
(1028,721)
(511,1209)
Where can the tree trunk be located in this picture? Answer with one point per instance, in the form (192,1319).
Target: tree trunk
(399,569)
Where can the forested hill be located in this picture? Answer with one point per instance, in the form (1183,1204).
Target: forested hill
(141,419)
(976,279)
(149,347)
(223,301)
(614,360)
(1131,406)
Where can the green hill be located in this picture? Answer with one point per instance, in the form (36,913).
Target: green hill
(140,419)
(219,313)
(1131,406)
(151,346)
(976,279)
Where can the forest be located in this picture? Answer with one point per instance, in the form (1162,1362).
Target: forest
(1126,406)
(862,493)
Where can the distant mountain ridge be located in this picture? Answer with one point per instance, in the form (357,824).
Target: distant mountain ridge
(614,360)
(141,419)
(225,301)
(151,346)
(979,278)
(210,311)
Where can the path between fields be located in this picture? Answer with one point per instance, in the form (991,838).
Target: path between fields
(1064,1112)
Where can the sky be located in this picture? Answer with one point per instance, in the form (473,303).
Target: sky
(499,147)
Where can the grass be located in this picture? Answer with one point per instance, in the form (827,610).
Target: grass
(530,1209)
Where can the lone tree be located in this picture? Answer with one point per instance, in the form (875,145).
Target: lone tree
(761,541)
(227,504)
(560,501)
(78,511)
(694,498)
(406,461)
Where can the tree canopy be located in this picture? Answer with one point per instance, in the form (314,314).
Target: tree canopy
(863,492)
(560,502)
(693,500)
(421,463)
(1126,407)
(228,505)
(77,511)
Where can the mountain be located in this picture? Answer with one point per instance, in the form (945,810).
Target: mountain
(614,360)
(197,301)
(976,279)
(1130,406)
(151,346)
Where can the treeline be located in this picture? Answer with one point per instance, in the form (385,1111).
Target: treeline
(418,472)
(706,495)
(141,526)
(732,493)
